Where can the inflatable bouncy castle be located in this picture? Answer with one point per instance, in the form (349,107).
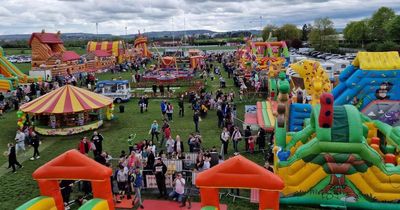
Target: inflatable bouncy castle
(372,84)
(239,172)
(341,158)
(68,166)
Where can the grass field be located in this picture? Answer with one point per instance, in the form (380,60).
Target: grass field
(19,188)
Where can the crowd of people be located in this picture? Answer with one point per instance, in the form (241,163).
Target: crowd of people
(143,157)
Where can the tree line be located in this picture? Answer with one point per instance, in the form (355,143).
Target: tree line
(381,32)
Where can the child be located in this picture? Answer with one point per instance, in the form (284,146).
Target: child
(136,184)
(130,142)
(251,144)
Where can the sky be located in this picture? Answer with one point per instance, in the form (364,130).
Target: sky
(128,16)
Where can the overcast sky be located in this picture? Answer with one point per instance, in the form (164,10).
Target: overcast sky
(26,16)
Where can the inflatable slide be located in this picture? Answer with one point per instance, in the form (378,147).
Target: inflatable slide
(341,159)
(316,80)
(11,75)
(265,117)
(372,84)
(297,114)
(6,84)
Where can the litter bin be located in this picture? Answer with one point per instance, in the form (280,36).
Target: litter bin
(121,108)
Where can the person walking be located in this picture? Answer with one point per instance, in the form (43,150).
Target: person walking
(181,107)
(130,142)
(20,141)
(163,107)
(142,104)
(169,111)
(12,158)
(97,140)
(196,119)
(159,171)
(35,142)
(154,130)
(236,137)
(136,184)
(225,140)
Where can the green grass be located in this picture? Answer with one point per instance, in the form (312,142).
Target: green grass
(24,67)
(17,51)
(19,188)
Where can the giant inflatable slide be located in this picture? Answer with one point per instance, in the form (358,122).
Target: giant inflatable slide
(341,158)
(10,75)
(372,84)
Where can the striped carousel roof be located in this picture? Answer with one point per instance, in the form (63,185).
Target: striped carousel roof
(66,99)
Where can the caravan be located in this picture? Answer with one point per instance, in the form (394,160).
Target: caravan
(119,90)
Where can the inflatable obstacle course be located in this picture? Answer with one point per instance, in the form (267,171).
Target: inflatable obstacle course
(340,159)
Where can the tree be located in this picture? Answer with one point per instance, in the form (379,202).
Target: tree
(393,28)
(296,43)
(305,31)
(379,21)
(288,32)
(268,29)
(388,46)
(323,35)
(357,31)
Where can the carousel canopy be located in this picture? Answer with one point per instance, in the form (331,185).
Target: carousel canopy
(66,99)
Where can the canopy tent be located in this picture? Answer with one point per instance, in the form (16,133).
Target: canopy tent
(66,99)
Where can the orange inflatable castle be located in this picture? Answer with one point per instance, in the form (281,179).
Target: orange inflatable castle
(238,173)
(72,165)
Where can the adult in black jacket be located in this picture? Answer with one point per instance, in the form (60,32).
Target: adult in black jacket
(97,139)
(220,115)
(176,145)
(35,142)
(181,107)
(12,158)
(196,120)
(159,171)
(261,139)
(247,134)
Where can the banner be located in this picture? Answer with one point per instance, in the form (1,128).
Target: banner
(68,131)
(151,181)
(250,109)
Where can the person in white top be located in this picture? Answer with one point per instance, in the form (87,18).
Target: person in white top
(179,188)
(225,140)
(206,164)
(20,141)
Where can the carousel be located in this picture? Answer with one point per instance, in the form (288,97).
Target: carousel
(67,110)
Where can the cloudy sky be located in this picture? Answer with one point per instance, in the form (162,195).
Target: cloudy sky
(26,16)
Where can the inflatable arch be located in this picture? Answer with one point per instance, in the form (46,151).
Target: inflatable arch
(71,165)
(239,172)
